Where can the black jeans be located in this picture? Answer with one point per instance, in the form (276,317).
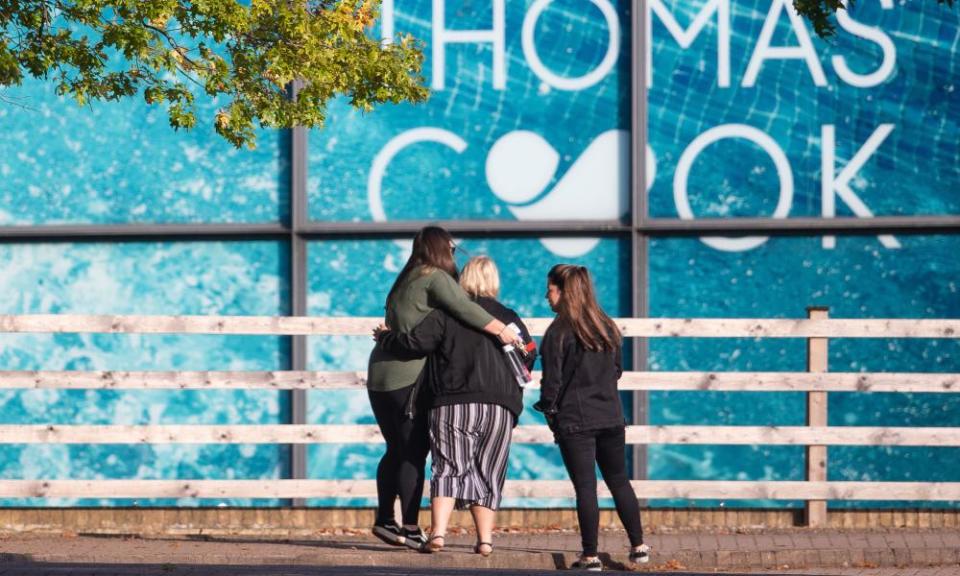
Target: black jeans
(400,472)
(605,448)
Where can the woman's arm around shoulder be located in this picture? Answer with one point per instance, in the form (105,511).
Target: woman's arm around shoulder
(447,294)
(444,292)
(423,339)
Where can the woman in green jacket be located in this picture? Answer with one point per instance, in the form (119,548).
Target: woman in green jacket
(427,281)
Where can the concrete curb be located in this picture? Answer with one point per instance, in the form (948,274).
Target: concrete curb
(302,522)
(773,551)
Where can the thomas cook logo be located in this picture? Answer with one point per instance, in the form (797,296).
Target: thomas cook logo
(521,165)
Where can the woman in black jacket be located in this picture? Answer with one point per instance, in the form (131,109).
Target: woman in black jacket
(476,401)
(581,366)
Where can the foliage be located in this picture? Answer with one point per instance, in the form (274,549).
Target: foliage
(821,12)
(246,54)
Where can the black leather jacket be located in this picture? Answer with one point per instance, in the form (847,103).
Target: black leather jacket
(463,365)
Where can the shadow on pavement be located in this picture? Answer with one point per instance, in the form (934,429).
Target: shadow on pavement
(19,567)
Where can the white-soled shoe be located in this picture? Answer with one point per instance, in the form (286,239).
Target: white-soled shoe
(588,563)
(641,555)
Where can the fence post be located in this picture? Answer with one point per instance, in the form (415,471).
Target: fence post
(816,510)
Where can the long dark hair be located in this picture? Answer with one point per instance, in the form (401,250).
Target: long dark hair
(578,308)
(431,249)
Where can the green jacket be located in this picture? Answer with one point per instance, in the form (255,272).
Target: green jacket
(417,295)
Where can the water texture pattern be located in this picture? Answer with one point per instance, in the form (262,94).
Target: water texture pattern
(527,122)
(120,162)
(445,163)
(743,102)
(245,278)
(895,81)
(860,279)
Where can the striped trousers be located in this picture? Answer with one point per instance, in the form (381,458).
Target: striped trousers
(469,444)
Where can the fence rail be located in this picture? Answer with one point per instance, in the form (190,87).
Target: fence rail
(673,489)
(368,434)
(360,326)
(816,436)
(340,380)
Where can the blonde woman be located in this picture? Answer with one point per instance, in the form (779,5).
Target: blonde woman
(475,405)
(427,282)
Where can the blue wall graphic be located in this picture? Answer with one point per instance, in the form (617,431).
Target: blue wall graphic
(749,115)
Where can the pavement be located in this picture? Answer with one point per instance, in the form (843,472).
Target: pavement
(877,552)
(168,570)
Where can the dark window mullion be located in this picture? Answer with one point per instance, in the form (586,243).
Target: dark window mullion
(298,289)
(638,217)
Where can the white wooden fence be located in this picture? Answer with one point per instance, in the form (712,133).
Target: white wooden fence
(816,382)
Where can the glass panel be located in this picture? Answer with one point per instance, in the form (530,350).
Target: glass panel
(873,109)
(121,162)
(217,278)
(340,285)
(523,143)
(859,279)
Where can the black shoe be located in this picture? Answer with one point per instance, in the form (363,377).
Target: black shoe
(641,556)
(589,564)
(414,538)
(390,532)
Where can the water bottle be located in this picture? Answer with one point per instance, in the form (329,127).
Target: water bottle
(515,361)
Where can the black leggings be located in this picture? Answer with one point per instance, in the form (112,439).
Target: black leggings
(605,448)
(400,472)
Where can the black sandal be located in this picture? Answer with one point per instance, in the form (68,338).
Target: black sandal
(477,548)
(430,546)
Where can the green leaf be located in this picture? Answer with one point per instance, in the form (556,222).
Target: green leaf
(246,55)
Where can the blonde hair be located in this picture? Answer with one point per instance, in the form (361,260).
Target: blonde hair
(480,277)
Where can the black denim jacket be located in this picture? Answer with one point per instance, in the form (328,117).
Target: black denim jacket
(590,400)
